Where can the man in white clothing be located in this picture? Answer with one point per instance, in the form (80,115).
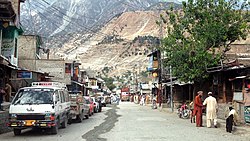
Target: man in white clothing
(211,108)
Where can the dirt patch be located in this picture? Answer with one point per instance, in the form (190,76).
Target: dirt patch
(93,135)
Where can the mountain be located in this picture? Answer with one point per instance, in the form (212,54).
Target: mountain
(123,45)
(51,17)
(108,36)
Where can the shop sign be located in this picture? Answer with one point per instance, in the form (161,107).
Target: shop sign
(24,75)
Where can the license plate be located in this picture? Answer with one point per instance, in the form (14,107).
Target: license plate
(43,124)
(29,122)
(13,124)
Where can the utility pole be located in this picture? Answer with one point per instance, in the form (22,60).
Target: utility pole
(171,89)
(160,59)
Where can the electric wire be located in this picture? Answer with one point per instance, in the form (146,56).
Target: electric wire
(87,28)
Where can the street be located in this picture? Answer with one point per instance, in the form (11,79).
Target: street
(130,122)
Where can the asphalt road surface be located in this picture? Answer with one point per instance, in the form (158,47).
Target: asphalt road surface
(130,122)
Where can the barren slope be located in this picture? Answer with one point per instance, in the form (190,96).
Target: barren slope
(113,47)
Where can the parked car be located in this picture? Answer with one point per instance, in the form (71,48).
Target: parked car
(44,105)
(96,105)
(78,106)
(90,104)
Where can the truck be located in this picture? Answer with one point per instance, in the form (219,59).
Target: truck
(78,107)
(125,95)
(43,105)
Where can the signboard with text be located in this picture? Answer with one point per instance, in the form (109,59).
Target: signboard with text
(238,96)
(24,75)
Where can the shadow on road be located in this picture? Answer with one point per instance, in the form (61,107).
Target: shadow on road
(105,127)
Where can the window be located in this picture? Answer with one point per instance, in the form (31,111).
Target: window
(57,96)
(66,95)
(62,96)
(34,96)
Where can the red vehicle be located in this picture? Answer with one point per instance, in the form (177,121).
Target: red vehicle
(90,103)
(125,95)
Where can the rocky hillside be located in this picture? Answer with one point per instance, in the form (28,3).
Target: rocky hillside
(112,36)
(55,17)
(122,45)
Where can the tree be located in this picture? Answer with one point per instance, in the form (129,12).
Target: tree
(199,36)
(109,82)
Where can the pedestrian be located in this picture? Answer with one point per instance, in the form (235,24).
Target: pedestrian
(230,119)
(8,92)
(118,100)
(211,110)
(192,116)
(2,94)
(198,108)
(143,100)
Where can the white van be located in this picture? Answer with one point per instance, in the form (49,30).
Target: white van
(44,105)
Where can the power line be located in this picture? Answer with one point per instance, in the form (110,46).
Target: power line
(63,13)
(31,16)
(87,28)
(67,20)
(50,20)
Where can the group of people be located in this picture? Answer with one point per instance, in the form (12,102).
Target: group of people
(211,111)
(5,94)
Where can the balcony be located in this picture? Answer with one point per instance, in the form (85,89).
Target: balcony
(7,13)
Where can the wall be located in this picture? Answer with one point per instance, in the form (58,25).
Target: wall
(54,67)
(27,52)
(27,64)
(27,47)
(67,78)
(4,116)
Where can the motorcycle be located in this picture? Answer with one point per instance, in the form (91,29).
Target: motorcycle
(183,112)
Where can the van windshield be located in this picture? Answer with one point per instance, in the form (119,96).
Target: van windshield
(34,96)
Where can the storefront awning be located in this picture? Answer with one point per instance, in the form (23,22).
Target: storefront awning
(78,83)
(176,82)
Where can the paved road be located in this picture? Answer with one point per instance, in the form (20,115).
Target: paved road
(140,123)
(131,122)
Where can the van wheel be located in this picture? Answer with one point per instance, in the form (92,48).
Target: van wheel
(54,129)
(17,132)
(65,123)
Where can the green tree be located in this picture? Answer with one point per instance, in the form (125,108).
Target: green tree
(109,82)
(199,36)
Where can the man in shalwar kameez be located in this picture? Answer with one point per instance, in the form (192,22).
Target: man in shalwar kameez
(211,108)
(198,109)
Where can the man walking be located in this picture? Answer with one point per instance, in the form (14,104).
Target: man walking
(198,109)
(8,92)
(211,108)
